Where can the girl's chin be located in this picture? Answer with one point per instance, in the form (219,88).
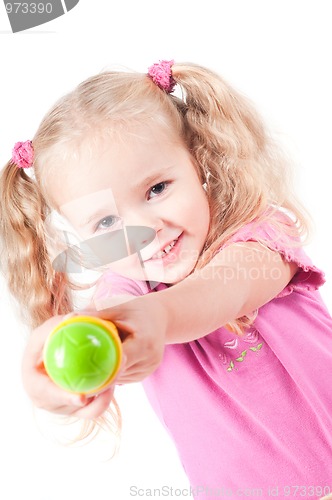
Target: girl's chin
(169,275)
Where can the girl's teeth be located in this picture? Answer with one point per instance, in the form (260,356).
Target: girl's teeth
(169,247)
(166,250)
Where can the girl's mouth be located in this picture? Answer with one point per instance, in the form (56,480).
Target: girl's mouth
(161,254)
(169,253)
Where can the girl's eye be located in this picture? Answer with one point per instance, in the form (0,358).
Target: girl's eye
(157,189)
(107,222)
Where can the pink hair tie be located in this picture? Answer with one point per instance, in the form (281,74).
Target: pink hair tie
(22,154)
(161,75)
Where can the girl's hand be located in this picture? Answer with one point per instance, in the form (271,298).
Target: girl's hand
(142,327)
(141,322)
(44,393)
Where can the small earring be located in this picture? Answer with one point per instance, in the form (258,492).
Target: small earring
(205,185)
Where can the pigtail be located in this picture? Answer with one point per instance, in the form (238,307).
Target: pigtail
(232,124)
(39,290)
(226,138)
(246,172)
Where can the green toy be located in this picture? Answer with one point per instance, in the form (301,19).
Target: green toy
(83,354)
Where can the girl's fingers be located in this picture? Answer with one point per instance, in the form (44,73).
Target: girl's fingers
(59,401)
(137,362)
(135,373)
(78,405)
(96,405)
(51,398)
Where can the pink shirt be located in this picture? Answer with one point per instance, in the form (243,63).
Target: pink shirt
(252,413)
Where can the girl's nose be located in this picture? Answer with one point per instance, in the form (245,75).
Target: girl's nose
(141,229)
(139,237)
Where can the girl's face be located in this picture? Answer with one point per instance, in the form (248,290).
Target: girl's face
(144,179)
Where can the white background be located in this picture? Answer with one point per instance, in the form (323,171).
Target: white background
(276,52)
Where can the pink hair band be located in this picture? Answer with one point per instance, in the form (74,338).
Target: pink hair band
(161,75)
(22,154)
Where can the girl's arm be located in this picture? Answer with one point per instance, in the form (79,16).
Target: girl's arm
(237,281)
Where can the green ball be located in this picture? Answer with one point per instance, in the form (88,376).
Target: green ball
(81,357)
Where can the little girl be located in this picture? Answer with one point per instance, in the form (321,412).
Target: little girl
(219,310)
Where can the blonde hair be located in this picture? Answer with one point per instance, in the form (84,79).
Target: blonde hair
(245,172)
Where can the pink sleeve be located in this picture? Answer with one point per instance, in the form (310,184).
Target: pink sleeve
(308,276)
(112,286)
